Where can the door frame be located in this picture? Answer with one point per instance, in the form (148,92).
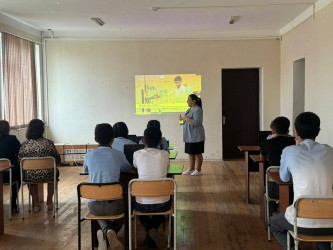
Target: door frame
(261,98)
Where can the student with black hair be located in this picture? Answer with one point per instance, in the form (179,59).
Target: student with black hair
(152,163)
(310,164)
(278,141)
(273,149)
(193,134)
(120,136)
(164,145)
(104,165)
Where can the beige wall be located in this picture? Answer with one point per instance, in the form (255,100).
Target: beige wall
(93,81)
(312,40)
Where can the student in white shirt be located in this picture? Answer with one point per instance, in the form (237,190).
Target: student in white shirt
(310,164)
(152,163)
(120,136)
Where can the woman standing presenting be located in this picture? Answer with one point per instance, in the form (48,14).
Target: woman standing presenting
(193,134)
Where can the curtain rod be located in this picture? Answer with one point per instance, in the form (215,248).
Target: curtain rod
(19,36)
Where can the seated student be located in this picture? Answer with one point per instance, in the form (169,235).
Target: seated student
(38,146)
(310,164)
(152,164)
(273,149)
(164,145)
(9,148)
(120,136)
(104,165)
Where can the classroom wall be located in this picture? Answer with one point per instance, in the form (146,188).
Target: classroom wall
(91,82)
(312,40)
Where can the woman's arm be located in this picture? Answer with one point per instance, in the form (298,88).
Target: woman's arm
(197,118)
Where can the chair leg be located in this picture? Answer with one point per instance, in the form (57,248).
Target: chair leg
(174,231)
(169,232)
(92,235)
(17,196)
(22,201)
(135,217)
(288,240)
(11,194)
(29,195)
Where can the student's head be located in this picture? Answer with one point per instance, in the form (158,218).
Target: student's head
(194,99)
(4,128)
(154,123)
(35,129)
(178,81)
(152,137)
(120,130)
(104,134)
(280,125)
(307,125)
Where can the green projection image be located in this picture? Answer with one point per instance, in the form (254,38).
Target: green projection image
(158,94)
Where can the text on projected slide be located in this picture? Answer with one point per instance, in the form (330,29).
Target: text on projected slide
(157,94)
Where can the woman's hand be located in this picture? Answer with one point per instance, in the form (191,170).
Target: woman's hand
(180,118)
(186,119)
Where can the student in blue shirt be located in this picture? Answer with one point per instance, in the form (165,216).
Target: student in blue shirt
(104,165)
(164,145)
(120,136)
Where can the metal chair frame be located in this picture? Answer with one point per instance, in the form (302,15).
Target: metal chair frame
(55,181)
(10,184)
(318,214)
(92,217)
(268,200)
(171,213)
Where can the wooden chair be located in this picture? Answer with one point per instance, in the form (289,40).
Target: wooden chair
(311,208)
(98,191)
(152,188)
(6,162)
(39,163)
(269,199)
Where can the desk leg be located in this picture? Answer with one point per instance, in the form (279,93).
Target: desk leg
(284,197)
(261,189)
(1,207)
(247,182)
(41,192)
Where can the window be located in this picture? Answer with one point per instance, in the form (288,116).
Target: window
(19,88)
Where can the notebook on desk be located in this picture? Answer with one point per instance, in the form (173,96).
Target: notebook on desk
(175,169)
(173,155)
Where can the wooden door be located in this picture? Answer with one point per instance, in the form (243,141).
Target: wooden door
(240,110)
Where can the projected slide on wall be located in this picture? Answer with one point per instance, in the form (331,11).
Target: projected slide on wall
(158,94)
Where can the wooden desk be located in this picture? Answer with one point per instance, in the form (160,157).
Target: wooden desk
(2,169)
(263,165)
(284,199)
(250,166)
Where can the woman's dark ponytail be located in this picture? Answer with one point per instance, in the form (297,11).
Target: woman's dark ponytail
(197,100)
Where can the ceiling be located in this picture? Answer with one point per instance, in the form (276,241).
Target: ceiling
(173,19)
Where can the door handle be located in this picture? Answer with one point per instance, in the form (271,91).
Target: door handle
(223,120)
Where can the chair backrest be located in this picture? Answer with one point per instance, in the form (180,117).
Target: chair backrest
(314,207)
(129,150)
(37,163)
(100,191)
(4,162)
(152,188)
